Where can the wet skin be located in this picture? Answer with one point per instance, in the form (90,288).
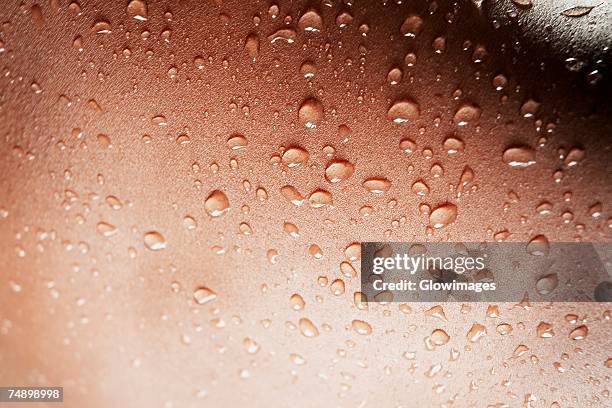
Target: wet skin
(112,143)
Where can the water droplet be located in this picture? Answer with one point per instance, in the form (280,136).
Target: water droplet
(500,82)
(403,111)
(296,302)
(420,188)
(216,204)
(237,141)
(154,241)
(344,19)
(337,287)
(284,34)
(437,312)
(443,215)
(394,76)
(353,251)
(102,27)
(292,195)
(520,350)
(439,45)
(347,270)
(545,330)
(529,108)
(579,333)
(320,198)
(377,185)
(504,328)
(308,69)
(189,223)
(310,21)
(412,26)
(137,9)
(106,229)
(315,251)
(476,332)
(546,284)
(272,256)
(521,156)
(307,328)
(251,346)
(439,337)
(311,113)
(339,170)
(408,146)
(295,156)
(466,114)
(203,295)
(574,157)
(291,229)
(538,246)
(453,145)
(361,327)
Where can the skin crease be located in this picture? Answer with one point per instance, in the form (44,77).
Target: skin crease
(115,323)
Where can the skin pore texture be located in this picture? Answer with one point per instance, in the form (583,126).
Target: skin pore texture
(153,255)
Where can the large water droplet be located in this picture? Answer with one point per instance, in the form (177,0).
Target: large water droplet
(412,26)
(203,295)
(216,204)
(102,27)
(154,241)
(310,21)
(307,328)
(137,9)
(295,156)
(443,215)
(467,113)
(361,327)
(547,283)
(339,170)
(521,156)
(579,333)
(439,337)
(476,332)
(311,113)
(403,111)
(538,246)
(237,141)
(320,198)
(377,185)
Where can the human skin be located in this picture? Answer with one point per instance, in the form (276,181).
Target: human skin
(129,135)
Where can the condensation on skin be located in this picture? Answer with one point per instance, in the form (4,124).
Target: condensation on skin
(186,190)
